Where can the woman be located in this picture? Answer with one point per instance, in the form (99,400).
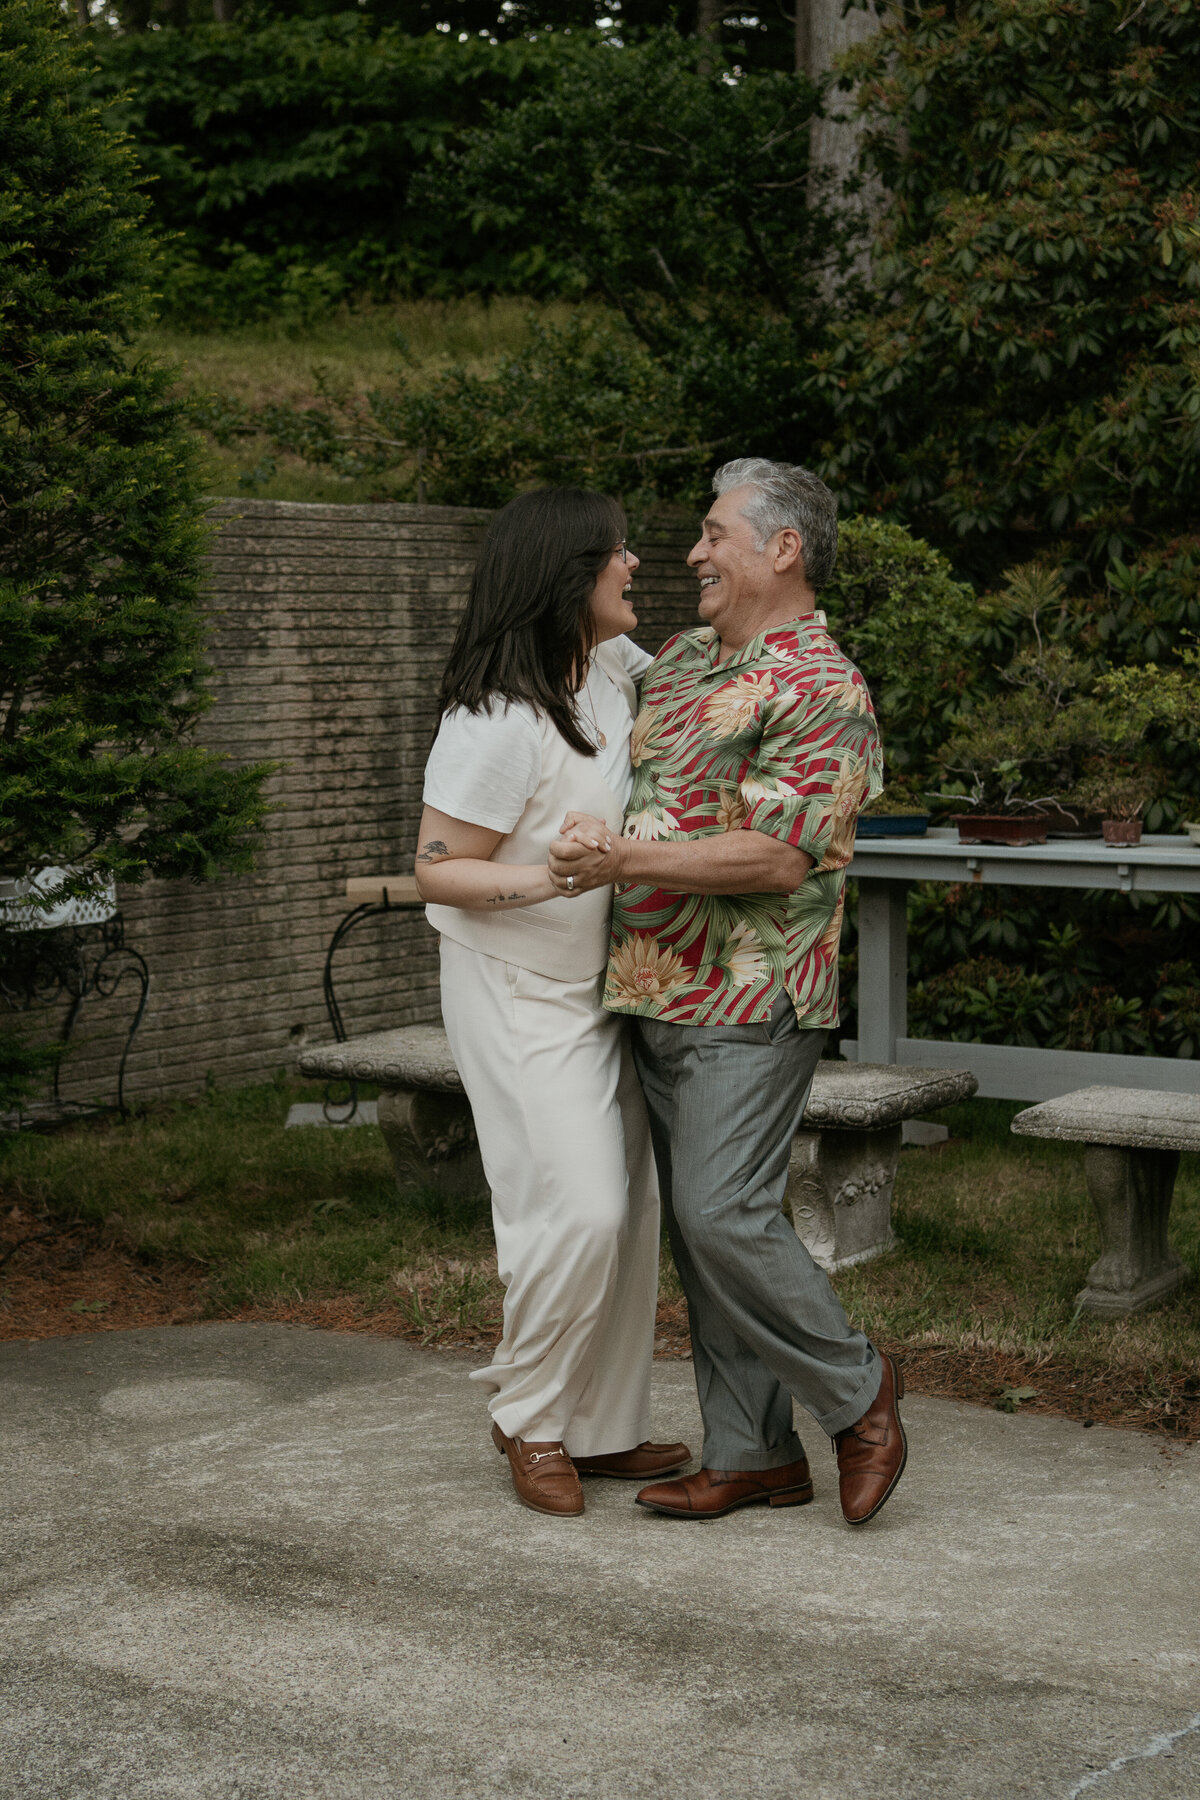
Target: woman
(537,704)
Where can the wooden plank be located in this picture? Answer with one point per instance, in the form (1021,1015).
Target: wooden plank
(1016,1072)
(397,890)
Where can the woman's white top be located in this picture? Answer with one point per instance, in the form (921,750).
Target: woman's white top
(512,771)
(486,766)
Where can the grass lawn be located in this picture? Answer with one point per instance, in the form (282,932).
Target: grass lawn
(211,1209)
(360,348)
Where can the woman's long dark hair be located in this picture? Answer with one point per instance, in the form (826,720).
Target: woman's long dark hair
(526,633)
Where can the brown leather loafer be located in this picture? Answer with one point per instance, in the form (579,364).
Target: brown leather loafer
(543,1475)
(711,1493)
(871,1454)
(639,1464)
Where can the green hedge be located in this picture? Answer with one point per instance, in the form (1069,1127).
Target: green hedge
(279,155)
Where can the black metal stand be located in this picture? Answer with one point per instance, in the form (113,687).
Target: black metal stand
(40,967)
(370,909)
(345,926)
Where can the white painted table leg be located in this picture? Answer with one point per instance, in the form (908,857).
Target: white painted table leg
(882,969)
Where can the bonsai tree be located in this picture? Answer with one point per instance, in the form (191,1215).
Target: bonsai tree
(1023,747)
(1118,790)
(1138,707)
(101,521)
(899,800)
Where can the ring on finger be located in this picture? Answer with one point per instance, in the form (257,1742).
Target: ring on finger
(571,882)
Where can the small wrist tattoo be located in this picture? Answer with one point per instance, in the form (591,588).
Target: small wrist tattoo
(497,899)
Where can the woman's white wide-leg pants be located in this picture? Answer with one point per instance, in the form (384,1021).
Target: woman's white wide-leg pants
(566,1149)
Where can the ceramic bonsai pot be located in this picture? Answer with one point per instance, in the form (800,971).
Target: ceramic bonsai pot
(1063,824)
(984,828)
(1122,831)
(879,825)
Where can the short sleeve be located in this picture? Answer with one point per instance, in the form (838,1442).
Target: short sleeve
(485,767)
(819,760)
(632,658)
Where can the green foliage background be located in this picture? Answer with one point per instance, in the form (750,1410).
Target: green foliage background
(1013,377)
(101,518)
(280,153)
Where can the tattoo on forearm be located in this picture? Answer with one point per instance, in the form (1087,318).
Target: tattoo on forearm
(496,899)
(434,847)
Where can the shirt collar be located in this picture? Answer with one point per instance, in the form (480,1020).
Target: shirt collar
(781,643)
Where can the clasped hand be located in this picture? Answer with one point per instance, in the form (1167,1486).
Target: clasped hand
(584,855)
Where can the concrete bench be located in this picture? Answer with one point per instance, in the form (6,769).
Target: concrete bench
(845,1155)
(423,1112)
(1132,1139)
(842,1167)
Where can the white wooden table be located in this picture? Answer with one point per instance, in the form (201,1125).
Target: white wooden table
(885,868)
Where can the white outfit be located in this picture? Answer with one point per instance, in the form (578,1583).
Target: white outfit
(485,766)
(558,1111)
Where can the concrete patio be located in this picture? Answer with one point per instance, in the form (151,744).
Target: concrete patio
(261,1563)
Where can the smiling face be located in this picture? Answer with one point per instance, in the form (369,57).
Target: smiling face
(610,607)
(745,590)
(733,572)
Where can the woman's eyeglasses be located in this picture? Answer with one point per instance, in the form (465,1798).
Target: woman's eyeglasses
(623,550)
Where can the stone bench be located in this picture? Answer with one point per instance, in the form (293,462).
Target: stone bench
(423,1112)
(843,1161)
(1132,1138)
(844,1157)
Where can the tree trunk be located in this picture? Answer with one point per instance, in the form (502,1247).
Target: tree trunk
(708,17)
(803,38)
(81,12)
(830,30)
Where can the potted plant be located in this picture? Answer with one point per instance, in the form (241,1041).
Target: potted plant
(996,794)
(1010,761)
(1120,793)
(898,812)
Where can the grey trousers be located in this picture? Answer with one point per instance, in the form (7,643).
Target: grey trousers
(724,1102)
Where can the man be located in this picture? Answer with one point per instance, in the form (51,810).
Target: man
(753,752)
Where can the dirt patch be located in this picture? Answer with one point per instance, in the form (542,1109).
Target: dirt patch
(1125,1398)
(59,1280)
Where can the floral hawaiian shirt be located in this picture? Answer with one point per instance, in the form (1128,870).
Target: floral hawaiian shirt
(780,738)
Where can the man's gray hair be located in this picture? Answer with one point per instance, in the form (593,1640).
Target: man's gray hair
(785,497)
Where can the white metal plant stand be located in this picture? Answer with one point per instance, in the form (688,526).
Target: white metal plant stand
(885,869)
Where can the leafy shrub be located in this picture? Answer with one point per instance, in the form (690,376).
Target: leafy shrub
(982,1001)
(101,527)
(1175,1009)
(988,965)
(678,192)
(898,612)
(581,403)
(279,153)
(246,288)
(1026,380)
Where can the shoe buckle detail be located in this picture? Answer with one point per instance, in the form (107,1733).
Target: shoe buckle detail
(537,1456)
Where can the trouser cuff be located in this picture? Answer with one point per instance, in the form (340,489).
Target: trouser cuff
(853,1410)
(734,1457)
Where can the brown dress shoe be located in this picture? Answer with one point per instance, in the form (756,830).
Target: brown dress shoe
(638,1464)
(871,1454)
(711,1493)
(543,1475)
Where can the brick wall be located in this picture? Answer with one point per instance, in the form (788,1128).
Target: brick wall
(330,627)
